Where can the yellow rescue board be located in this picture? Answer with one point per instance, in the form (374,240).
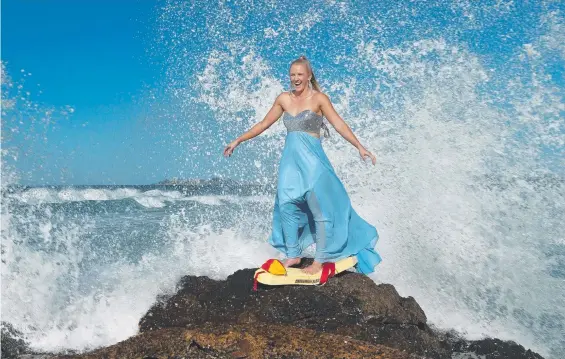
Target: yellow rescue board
(297,277)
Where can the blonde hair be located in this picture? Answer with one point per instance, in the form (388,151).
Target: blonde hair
(303,60)
(315,85)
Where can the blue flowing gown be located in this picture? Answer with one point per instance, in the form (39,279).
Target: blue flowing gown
(312,205)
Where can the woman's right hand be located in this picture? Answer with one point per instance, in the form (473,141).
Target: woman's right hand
(228,151)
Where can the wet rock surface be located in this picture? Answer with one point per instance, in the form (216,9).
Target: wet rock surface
(243,341)
(349,304)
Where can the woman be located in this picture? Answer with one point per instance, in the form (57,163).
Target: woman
(311,205)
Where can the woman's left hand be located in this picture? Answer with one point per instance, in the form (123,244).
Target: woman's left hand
(364,154)
(228,150)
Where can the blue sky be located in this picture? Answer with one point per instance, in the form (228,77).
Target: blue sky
(84,53)
(103,59)
(90,55)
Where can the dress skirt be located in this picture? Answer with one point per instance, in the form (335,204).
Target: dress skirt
(312,206)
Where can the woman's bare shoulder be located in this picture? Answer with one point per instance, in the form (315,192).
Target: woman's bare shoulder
(283,98)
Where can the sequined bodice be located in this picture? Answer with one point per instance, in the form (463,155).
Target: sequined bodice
(305,121)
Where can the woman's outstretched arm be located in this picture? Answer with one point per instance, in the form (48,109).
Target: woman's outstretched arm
(342,128)
(271,117)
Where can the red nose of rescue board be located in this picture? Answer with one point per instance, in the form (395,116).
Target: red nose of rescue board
(271,273)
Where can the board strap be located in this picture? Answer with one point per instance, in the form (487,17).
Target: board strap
(328,271)
(255,280)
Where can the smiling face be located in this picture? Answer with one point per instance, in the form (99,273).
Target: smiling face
(299,76)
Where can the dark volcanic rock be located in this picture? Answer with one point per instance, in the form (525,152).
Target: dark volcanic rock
(252,341)
(350,304)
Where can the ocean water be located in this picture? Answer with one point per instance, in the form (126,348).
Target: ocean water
(82,265)
(461,101)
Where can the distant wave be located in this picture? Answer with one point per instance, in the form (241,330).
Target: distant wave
(153,198)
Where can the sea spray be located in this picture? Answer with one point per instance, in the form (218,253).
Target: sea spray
(461,102)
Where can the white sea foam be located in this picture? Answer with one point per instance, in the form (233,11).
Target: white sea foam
(151,199)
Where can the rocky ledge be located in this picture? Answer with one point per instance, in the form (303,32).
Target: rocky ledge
(349,317)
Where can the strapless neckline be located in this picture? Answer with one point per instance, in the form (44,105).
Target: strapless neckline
(301,112)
